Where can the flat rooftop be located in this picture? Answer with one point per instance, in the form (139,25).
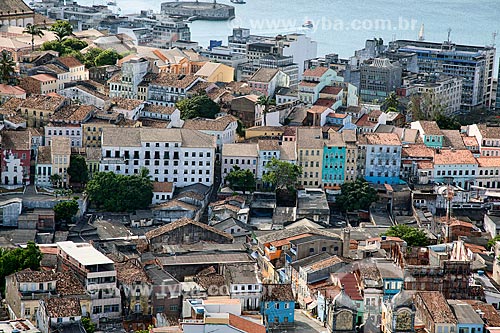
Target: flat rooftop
(84,253)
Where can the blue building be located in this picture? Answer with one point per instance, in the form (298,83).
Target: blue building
(468,320)
(392,279)
(278,305)
(379,158)
(334,158)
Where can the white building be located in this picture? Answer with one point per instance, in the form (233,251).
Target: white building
(242,155)
(58,312)
(86,96)
(98,273)
(181,156)
(125,83)
(160,112)
(71,131)
(458,165)
(130,108)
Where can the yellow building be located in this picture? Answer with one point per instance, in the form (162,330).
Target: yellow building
(310,156)
(216,72)
(92,130)
(37,109)
(264,132)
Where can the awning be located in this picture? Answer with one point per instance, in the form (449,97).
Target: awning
(312,305)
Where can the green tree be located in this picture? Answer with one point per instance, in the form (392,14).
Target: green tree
(33,30)
(66,210)
(107,57)
(14,260)
(282,175)
(120,193)
(90,55)
(7,67)
(198,106)
(78,171)
(88,325)
(356,195)
(391,102)
(412,236)
(74,44)
(55,179)
(446,122)
(241,180)
(61,29)
(491,243)
(266,102)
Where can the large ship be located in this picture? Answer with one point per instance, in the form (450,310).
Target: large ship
(198,10)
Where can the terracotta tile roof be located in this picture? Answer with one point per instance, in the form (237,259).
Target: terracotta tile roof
(68,284)
(264,75)
(308,84)
(388,139)
(12,104)
(16,140)
(269,145)
(437,306)
(277,292)
(69,62)
(173,80)
(126,103)
(387,238)
(350,284)
(203,124)
(73,113)
(286,241)
(11,90)
(181,223)
(28,275)
(317,109)
(159,109)
(174,204)
(245,325)
(450,156)
(365,122)
(489,132)
(325,263)
(44,155)
(163,187)
(420,151)
(430,127)
(315,72)
(40,102)
(470,141)
(425,165)
(331,90)
(475,248)
(63,307)
(488,161)
(44,77)
(490,314)
(130,272)
(328,102)
(337,115)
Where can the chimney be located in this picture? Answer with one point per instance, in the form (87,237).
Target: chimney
(346,241)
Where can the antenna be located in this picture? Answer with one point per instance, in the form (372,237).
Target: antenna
(421,35)
(449,33)
(494,38)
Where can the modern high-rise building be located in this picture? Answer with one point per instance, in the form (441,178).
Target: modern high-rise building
(475,64)
(498,90)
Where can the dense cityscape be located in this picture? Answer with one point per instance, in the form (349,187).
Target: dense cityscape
(149,184)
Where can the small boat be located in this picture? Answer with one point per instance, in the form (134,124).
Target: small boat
(307,24)
(112,3)
(239,1)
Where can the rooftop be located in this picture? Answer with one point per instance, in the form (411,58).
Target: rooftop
(126,103)
(452,156)
(315,72)
(437,306)
(16,140)
(240,149)
(84,253)
(386,139)
(182,223)
(277,292)
(430,127)
(204,124)
(264,74)
(166,187)
(63,307)
(130,272)
(28,275)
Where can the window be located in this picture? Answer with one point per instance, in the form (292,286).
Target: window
(173,307)
(287,305)
(277,305)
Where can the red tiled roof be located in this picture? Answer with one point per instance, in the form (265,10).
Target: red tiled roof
(325,102)
(315,72)
(245,325)
(331,90)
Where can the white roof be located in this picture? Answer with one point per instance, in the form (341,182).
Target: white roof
(84,253)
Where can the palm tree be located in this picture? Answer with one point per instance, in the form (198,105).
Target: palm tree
(7,67)
(265,101)
(33,30)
